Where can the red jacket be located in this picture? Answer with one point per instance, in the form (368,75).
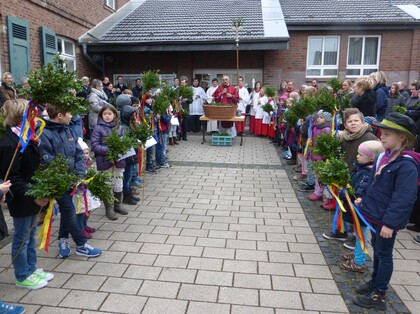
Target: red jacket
(221,97)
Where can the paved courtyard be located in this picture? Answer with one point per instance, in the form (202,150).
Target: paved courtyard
(222,231)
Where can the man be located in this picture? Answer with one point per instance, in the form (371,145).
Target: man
(176,83)
(196,107)
(212,125)
(289,88)
(314,83)
(78,121)
(242,103)
(227,94)
(185,104)
(137,89)
(106,82)
(120,86)
(403,91)
(110,91)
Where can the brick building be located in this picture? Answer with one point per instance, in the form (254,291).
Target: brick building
(33,31)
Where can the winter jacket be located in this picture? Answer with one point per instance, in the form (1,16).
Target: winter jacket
(392,102)
(95,105)
(365,103)
(165,121)
(6,93)
(382,92)
(316,132)
(21,172)
(60,139)
(360,178)
(126,113)
(390,196)
(350,147)
(101,131)
(413,108)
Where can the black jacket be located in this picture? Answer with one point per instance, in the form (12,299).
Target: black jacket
(21,172)
(365,103)
(126,113)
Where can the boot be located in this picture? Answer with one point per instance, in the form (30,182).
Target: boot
(117,204)
(134,197)
(128,199)
(171,141)
(109,210)
(175,141)
(330,206)
(373,300)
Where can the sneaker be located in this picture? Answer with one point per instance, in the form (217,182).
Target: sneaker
(416,239)
(88,250)
(351,265)
(291,162)
(413,227)
(33,282)
(314,197)
(64,248)
(165,165)
(350,243)
(347,256)
(136,182)
(11,309)
(373,300)
(365,288)
(86,234)
(306,188)
(300,177)
(336,236)
(41,274)
(90,229)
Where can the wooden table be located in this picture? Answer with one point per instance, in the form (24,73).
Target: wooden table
(204,120)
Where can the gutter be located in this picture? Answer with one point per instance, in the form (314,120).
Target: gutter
(86,55)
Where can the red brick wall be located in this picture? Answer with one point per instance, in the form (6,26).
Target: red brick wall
(66,18)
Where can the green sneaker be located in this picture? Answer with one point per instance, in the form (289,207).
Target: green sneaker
(41,274)
(32,282)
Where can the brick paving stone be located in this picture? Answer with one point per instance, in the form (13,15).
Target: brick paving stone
(115,270)
(214,278)
(280,299)
(198,292)
(139,259)
(121,285)
(153,238)
(184,250)
(251,255)
(205,263)
(87,300)
(164,306)
(291,284)
(238,296)
(252,281)
(123,304)
(75,267)
(159,289)
(241,244)
(205,307)
(211,242)
(171,261)
(85,282)
(324,286)
(178,275)
(323,302)
(285,257)
(240,266)
(219,253)
(156,248)
(48,310)
(313,271)
(142,272)
(124,246)
(239,309)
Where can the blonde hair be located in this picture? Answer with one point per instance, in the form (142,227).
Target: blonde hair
(127,92)
(379,77)
(12,111)
(375,147)
(294,95)
(364,83)
(309,91)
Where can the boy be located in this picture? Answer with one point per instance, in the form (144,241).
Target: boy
(58,138)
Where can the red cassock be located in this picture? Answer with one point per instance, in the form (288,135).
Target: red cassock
(220,95)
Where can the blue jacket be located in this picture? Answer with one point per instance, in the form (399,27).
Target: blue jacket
(102,130)
(390,196)
(382,93)
(60,139)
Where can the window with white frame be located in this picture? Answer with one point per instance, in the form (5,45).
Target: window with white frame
(110,3)
(322,59)
(363,55)
(67,50)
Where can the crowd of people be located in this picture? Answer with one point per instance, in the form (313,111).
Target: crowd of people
(379,146)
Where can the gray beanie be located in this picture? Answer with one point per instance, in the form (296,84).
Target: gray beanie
(123,100)
(327,116)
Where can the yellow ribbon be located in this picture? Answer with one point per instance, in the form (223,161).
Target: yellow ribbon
(43,233)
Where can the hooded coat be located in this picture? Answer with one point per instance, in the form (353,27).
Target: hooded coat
(365,103)
(382,93)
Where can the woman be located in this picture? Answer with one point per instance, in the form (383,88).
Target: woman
(22,208)
(346,89)
(97,99)
(378,80)
(364,97)
(394,99)
(7,92)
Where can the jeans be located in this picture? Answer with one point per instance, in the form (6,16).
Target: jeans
(150,160)
(161,151)
(383,264)
(81,220)
(127,176)
(24,261)
(68,224)
(311,178)
(359,255)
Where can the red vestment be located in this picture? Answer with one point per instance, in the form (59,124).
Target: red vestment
(220,95)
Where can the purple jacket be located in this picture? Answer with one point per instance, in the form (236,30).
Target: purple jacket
(100,132)
(316,131)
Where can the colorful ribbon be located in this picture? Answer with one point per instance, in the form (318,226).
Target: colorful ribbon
(308,142)
(45,232)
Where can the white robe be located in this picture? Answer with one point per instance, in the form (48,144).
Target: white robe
(267,116)
(211,125)
(196,107)
(243,99)
(255,97)
(259,112)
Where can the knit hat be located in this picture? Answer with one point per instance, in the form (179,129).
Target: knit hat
(284,97)
(326,115)
(123,100)
(82,144)
(400,123)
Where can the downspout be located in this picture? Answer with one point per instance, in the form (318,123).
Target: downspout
(86,55)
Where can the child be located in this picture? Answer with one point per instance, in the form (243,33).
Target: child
(174,124)
(267,117)
(322,125)
(255,96)
(388,201)
(128,120)
(107,122)
(367,153)
(58,138)
(93,203)
(162,131)
(259,112)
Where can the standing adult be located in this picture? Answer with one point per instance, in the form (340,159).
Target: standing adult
(120,86)
(137,89)
(185,104)
(289,88)
(227,94)
(378,80)
(242,103)
(315,84)
(106,82)
(403,90)
(255,96)
(394,99)
(97,99)
(196,107)
(77,121)
(282,88)
(7,91)
(413,108)
(212,125)
(364,97)
(109,91)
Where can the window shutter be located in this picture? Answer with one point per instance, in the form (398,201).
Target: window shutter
(48,45)
(19,47)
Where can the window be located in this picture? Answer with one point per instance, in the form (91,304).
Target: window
(363,55)
(67,50)
(110,3)
(322,56)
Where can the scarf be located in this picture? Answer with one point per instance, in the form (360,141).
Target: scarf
(347,136)
(100,94)
(385,159)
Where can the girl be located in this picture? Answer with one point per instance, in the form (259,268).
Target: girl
(387,202)
(22,208)
(367,152)
(322,125)
(394,99)
(254,98)
(259,112)
(107,122)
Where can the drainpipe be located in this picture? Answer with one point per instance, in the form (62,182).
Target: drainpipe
(86,55)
